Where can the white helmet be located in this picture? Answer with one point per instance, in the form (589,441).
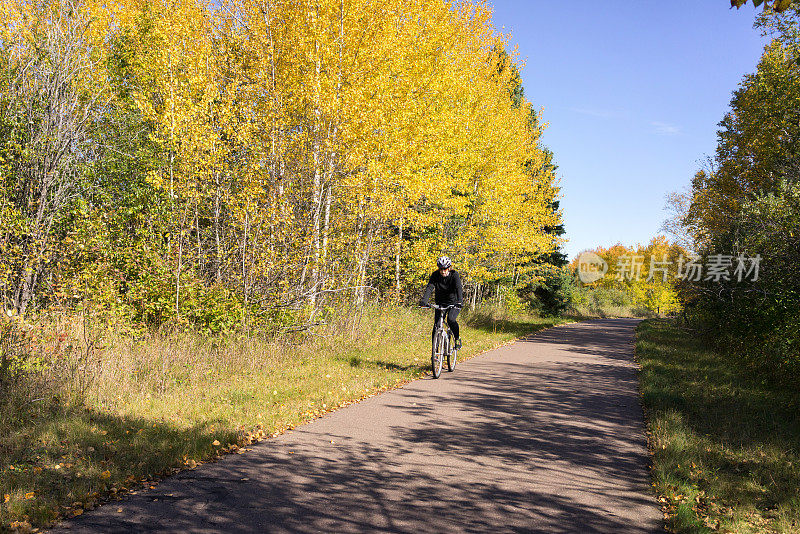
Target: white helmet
(444,262)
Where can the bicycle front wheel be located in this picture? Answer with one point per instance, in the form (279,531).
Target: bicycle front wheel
(452,354)
(437,354)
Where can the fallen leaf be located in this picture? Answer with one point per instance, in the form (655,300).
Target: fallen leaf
(216,443)
(21,527)
(30,495)
(105,474)
(192,464)
(6,497)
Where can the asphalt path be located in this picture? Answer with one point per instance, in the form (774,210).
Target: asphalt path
(542,435)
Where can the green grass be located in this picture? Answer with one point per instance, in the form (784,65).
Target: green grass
(163,403)
(726,443)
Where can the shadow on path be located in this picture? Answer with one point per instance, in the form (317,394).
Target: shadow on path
(544,435)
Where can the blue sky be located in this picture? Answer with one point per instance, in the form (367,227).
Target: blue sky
(633,91)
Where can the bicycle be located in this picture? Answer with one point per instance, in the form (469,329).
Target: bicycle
(442,344)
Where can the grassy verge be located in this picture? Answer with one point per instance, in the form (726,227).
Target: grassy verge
(608,311)
(150,407)
(726,443)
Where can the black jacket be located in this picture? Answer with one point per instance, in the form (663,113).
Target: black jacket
(448,289)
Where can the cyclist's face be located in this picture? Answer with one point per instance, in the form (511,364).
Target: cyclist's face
(444,271)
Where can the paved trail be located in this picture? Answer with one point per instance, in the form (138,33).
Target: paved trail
(544,435)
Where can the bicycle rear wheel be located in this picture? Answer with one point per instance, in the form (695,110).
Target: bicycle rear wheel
(437,353)
(452,354)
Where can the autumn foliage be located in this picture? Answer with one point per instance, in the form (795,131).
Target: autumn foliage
(639,280)
(251,161)
(747,201)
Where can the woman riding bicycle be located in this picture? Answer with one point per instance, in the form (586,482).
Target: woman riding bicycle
(449,291)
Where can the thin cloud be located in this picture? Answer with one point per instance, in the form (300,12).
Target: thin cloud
(663,128)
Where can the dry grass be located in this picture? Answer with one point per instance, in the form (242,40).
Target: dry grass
(606,311)
(107,412)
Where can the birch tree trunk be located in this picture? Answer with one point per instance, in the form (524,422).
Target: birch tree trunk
(397,257)
(217,268)
(316,199)
(333,155)
(178,267)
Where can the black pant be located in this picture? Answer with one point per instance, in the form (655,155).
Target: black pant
(452,313)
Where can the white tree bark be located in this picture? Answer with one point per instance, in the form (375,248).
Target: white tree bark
(45,93)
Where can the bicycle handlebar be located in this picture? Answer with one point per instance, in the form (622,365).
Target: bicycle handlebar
(441,308)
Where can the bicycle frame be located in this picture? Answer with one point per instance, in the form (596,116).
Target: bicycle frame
(442,346)
(442,324)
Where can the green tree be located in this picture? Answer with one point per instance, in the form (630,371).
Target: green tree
(747,204)
(758,142)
